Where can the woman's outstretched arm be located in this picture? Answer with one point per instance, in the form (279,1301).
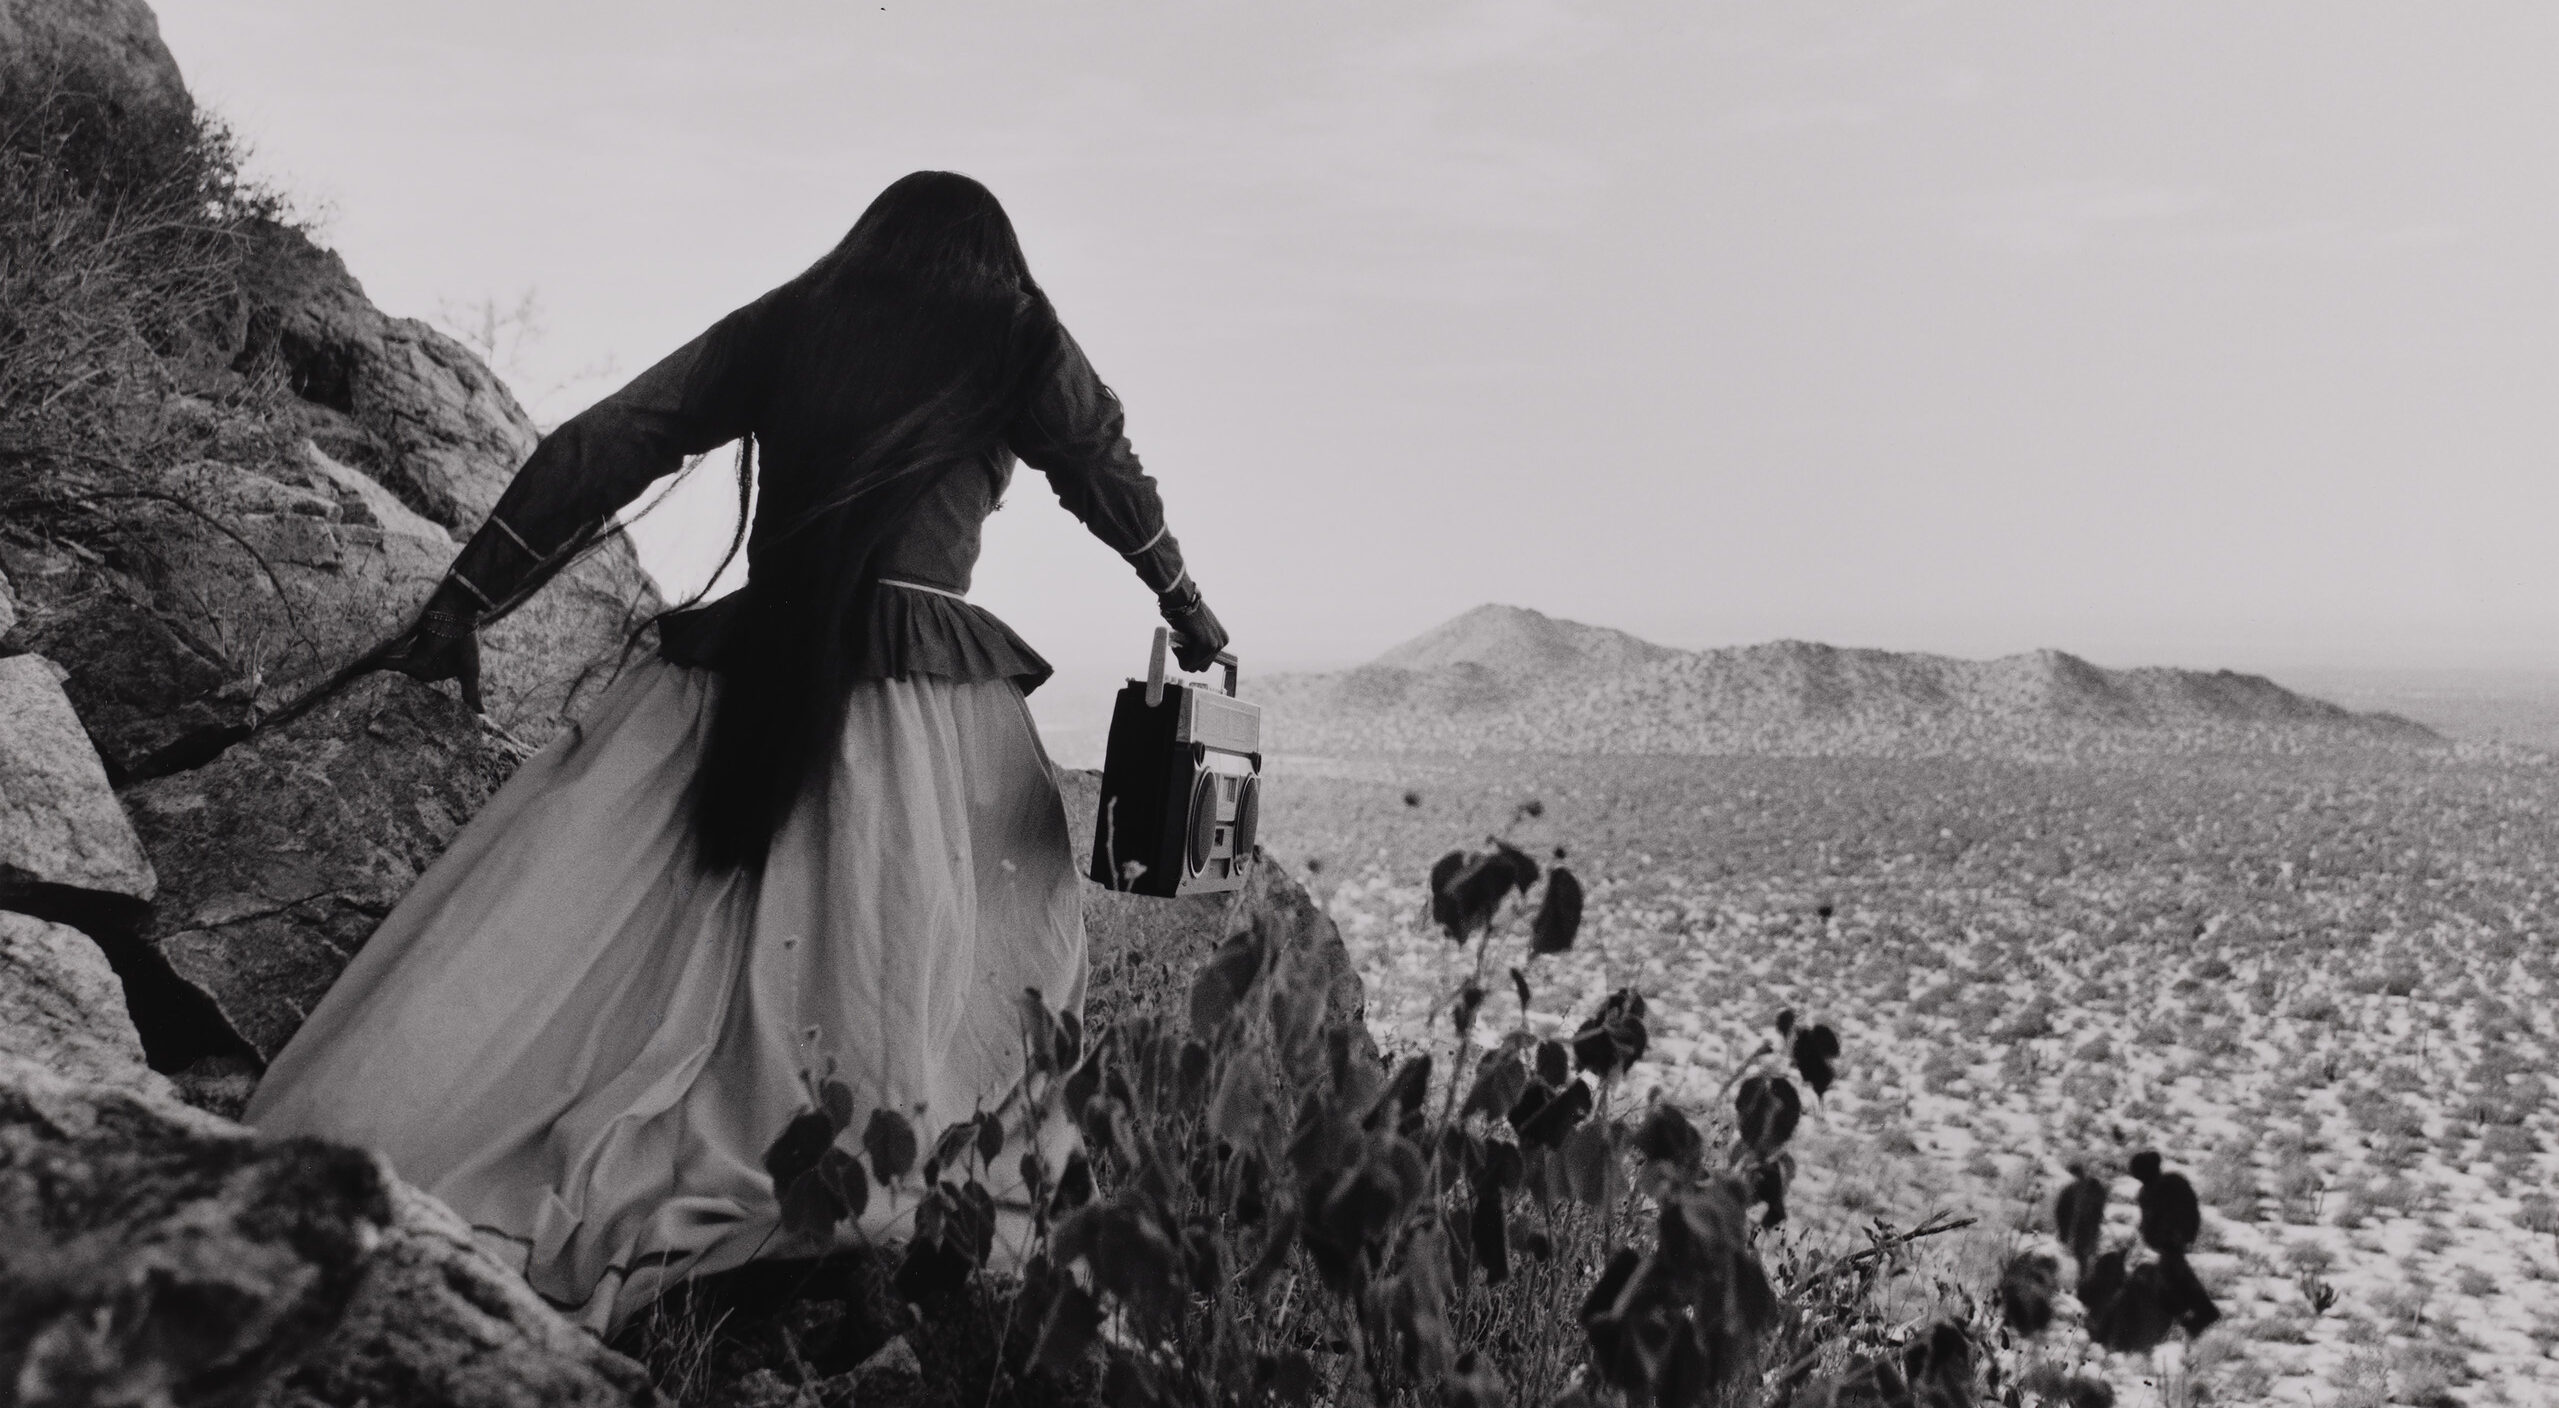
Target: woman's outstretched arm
(572,485)
(603,458)
(1073,431)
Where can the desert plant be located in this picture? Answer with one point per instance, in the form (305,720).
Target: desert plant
(128,237)
(2134,1296)
(1262,1212)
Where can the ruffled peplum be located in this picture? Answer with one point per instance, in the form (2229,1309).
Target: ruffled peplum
(910,634)
(926,633)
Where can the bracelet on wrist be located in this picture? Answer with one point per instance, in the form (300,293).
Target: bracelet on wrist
(446,625)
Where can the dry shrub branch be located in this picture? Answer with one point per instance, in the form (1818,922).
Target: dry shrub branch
(1262,1213)
(127,244)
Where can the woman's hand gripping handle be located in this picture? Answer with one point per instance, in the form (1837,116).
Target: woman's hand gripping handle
(1197,636)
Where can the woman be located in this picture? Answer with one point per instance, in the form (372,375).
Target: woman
(818,832)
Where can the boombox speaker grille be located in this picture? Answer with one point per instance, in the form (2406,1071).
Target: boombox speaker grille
(1203,843)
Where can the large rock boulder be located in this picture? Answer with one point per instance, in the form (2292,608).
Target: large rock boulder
(229,592)
(1310,953)
(415,411)
(150,1256)
(280,480)
(114,44)
(285,852)
(189,600)
(394,397)
(222,534)
(150,1253)
(65,847)
(62,1008)
(436,1322)
(1144,950)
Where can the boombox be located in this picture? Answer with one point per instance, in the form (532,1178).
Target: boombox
(1181,786)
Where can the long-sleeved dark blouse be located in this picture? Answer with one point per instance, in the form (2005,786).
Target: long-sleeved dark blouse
(1069,427)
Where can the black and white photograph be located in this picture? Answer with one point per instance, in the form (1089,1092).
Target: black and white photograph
(1358,704)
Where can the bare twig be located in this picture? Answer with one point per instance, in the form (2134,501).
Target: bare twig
(1936,1225)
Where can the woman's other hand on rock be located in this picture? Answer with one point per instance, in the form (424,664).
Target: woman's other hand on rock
(442,644)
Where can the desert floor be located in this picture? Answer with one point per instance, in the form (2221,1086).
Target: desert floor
(2322,986)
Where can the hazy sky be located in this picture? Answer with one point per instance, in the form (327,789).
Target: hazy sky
(2210,335)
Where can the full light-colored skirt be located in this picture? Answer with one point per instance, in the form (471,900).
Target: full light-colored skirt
(584,1045)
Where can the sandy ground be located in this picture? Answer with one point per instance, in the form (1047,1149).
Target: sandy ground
(2348,1062)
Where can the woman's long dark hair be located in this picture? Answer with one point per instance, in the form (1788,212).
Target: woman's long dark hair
(896,357)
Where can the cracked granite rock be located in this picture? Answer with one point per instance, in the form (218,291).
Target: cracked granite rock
(286,851)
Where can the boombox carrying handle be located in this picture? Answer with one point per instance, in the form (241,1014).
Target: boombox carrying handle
(1155,667)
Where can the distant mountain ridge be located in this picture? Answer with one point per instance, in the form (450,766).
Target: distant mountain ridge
(1515,639)
(1505,679)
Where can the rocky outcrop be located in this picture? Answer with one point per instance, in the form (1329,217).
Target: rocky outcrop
(327,460)
(114,44)
(545,663)
(150,1253)
(285,852)
(199,547)
(192,594)
(234,591)
(65,847)
(152,1256)
(1143,950)
(402,405)
(397,399)
(435,1321)
(62,1008)
(231,591)
(1311,954)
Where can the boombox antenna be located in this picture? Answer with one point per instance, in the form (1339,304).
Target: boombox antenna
(1155,668)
